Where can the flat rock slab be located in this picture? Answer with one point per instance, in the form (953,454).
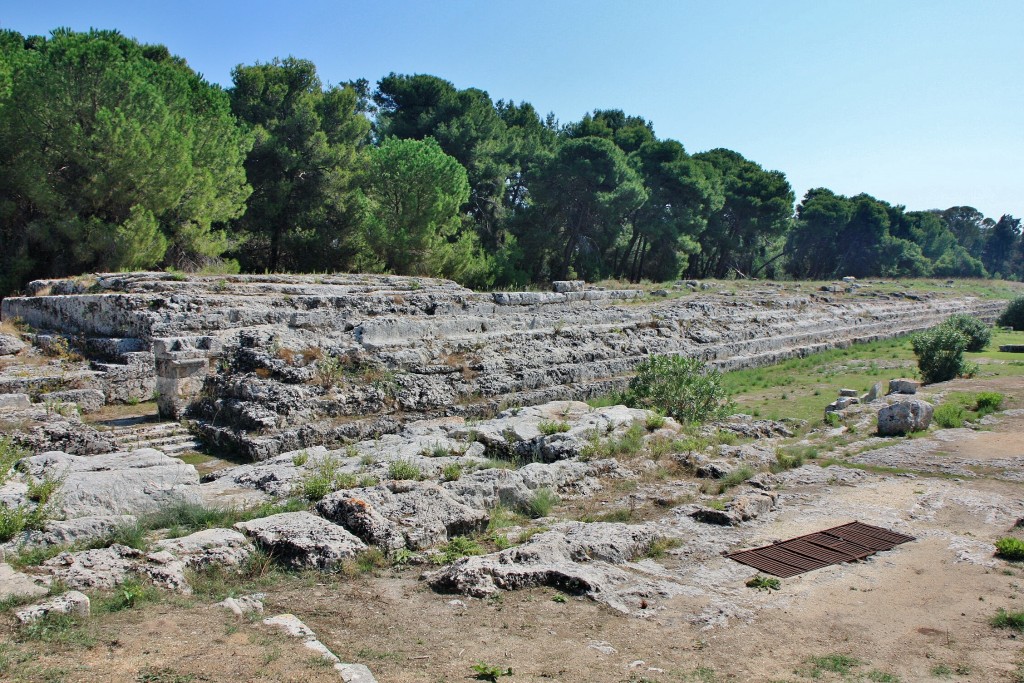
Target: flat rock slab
(87,400)
(71,603)
(402,514)
(110,567)
(572,556)
(14,584)
(302,539)
(221,547)
(1012,348)
(483,489)
(70,531)
(145,480)
(10,345)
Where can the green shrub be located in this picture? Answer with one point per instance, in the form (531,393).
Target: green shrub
(987,402)
(549,427)
(654,422)
(1013,316)
(977,332)
(949,415)
(940,353)
(403,469)
(681,387)
(541,503)
(1010,548)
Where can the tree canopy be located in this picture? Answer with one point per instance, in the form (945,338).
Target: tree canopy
(119,156)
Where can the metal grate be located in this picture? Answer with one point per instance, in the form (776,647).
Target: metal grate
(846,543)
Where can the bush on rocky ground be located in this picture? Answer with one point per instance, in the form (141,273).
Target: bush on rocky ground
(940,353)
(977,332)
(683,388)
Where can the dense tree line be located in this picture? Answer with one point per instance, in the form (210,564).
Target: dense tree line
(117,155)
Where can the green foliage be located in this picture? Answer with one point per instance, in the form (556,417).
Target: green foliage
(325,477)
(949,415)
(1010,620)
(183,518)
(549,427)
(10,453)
(116,155)
(834,663)
(764,583)
(1010,548)
(654,422)
(939,353)
(661,545)
(541,502)
(403,469)
(130,594)
(681,387)
(1013,316)
(485,672)
(456,547)
(304,213)
(451,472)
(734,478)
(977,332)
(988,402)
(412,226)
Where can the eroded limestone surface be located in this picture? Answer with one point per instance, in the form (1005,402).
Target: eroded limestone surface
(270,364)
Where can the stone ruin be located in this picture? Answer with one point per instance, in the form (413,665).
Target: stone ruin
(408,391)
(269,364)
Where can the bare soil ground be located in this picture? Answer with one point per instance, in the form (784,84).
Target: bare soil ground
(917,613)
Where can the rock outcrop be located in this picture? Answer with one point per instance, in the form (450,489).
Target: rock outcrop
(904,417)
(269,364)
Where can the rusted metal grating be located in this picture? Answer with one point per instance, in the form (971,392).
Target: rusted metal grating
(845,543)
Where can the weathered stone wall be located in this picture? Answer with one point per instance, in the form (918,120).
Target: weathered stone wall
(257,347)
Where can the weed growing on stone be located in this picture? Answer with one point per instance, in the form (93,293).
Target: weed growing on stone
(550,427)
(660,546)
(456,547)
(541,503)
(451,471)
(403,469)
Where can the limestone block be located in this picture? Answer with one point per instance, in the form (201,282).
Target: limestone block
(904,417)
(903,386)
(87,400)
(15,402)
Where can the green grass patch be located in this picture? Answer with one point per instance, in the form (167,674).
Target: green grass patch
(950,415)
(550,427)
(1010,620)
(540,505)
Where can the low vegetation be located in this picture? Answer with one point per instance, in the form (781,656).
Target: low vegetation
(1013,316)
(681,387)
(1010,548)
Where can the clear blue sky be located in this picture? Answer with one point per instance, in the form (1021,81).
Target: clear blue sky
(916,102)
